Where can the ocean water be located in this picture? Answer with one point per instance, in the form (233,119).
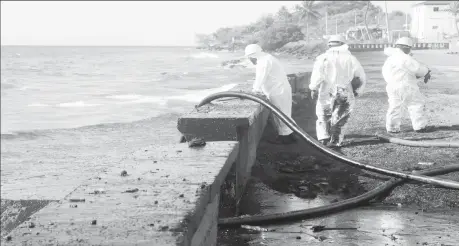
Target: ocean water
(69,113)
(69,87)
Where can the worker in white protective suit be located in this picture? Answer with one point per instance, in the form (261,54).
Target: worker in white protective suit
(402,73)
(271,80)
(337,78)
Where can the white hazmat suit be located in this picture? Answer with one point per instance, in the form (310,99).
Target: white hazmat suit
(271,80)
(401,73)
(332,75)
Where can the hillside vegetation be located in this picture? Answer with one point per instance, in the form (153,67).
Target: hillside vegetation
(302,24)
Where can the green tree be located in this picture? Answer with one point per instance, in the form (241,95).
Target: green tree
(308,13)
(284,15)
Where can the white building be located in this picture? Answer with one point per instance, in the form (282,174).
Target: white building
(431,22)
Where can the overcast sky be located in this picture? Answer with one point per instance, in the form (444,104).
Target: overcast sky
(167,23)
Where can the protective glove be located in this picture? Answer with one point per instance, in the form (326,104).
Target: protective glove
(427,77)
(314,94)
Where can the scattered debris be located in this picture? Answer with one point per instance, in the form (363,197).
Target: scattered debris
(323,228)
(77,200)
(94,222)
(73,205)
(196,142)
(98,191)
(321,238)
(131,190)
(31,225)
(123,173)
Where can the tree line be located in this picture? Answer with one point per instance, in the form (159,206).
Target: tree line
(308,20)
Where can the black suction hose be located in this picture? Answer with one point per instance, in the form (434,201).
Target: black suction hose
(379,192)
(327,151)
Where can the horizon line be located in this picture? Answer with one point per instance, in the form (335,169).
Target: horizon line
(94,45)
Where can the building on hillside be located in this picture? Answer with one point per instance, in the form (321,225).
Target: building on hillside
(431,21)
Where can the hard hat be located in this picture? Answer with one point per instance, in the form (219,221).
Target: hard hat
(336,38)
(405,41)
(252,49)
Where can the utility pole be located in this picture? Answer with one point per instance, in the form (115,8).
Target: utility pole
(389,38)
(355,18)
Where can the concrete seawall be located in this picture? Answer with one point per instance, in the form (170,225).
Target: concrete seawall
(159,195)
(380,47)
(235,120)
(164,195)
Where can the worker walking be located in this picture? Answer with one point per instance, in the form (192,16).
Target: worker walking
(337,78)
(401,73)
(271,80)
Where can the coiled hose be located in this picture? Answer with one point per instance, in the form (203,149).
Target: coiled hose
(441,144)
(327,151)
(378,192)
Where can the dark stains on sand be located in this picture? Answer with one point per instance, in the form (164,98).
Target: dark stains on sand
(14,213)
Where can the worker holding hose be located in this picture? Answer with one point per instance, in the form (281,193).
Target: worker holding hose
(336,79)
(401,73)
(271,80)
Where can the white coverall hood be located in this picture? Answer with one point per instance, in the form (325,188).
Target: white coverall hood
(401,73)
(271,80)
(258,55)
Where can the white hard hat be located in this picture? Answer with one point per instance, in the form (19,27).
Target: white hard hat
(336,38)
(252,49)
(405,41)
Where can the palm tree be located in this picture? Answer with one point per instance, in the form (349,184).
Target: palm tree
(454,9)
(308,12)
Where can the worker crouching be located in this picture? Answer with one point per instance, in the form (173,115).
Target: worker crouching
(337,78)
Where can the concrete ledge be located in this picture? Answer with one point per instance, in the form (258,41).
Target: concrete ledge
(218,121)
(169,197)
(237,119)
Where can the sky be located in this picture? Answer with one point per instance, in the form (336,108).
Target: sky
(155,23)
